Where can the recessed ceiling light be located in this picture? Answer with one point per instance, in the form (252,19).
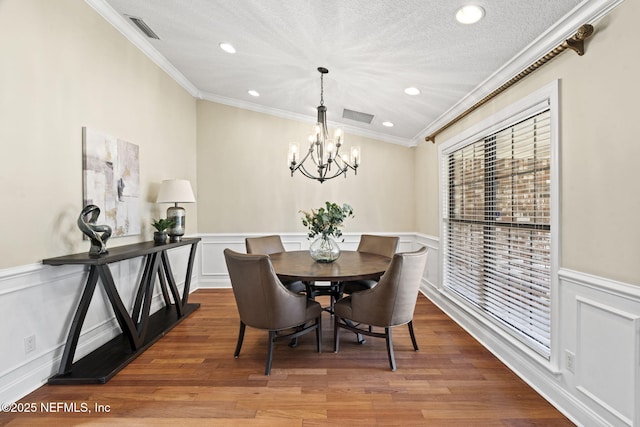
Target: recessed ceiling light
(412,91)
(387,124)
(227,48)
(253,92)
(469,14)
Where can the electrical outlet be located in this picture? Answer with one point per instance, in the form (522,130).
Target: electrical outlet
(571,361)
(29,344)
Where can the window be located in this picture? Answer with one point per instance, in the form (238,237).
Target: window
(497,246)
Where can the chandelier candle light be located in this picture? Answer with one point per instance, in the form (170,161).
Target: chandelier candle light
(324,151)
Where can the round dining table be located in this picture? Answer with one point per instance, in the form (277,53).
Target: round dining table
(350,265)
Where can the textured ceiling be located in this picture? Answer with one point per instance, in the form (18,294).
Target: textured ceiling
(372,48)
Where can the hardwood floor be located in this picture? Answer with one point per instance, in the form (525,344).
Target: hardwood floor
(190,377)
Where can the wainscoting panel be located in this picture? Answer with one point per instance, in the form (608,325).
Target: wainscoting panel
(431,276)
(213,271)
(604,376)
(39,301)
(601,331)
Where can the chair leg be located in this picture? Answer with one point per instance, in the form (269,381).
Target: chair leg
(319,333)
(413,337)
(336,333)
(392,362)
(272,338)
(240,339)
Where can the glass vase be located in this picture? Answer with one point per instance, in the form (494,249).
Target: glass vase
(324,249)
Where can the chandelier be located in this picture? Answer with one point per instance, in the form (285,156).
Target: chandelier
(326,159)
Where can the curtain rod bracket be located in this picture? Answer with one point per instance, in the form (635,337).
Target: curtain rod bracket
(575,43)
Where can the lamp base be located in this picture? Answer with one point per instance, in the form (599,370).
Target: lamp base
(177,214)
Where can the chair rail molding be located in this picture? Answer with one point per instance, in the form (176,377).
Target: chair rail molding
(213,274)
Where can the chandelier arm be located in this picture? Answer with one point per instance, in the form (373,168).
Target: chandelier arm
(337,174)
(304,158)
(295,166)
(344,162)
(322,177)
(316,161)
(317,165)
(340,170)
(306,173)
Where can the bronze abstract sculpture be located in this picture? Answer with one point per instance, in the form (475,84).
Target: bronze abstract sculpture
(91,230)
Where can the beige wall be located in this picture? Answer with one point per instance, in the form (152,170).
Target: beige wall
(600,190)
(245,184)
(62,67)
(426,164)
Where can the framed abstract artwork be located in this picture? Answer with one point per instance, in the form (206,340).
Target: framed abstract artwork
(111,180)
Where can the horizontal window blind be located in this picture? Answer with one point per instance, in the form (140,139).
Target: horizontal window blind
(497,252)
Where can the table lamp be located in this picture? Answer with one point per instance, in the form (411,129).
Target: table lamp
(176,191)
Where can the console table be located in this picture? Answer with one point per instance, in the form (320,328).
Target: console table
(139,329)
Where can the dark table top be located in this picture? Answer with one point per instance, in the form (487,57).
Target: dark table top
(351,265)
(118,253)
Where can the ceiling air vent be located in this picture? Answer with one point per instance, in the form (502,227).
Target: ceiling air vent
(142,26)
(357,116)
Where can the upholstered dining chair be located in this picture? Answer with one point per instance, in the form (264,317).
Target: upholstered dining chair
(388,304)
(264,303)
(379,245)
(269,245)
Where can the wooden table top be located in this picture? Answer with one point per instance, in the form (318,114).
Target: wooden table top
(351,265)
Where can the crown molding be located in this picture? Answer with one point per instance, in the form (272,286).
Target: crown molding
(353,130)
(138,40)
(586,12)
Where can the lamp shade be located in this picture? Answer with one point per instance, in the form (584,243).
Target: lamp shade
(175,191)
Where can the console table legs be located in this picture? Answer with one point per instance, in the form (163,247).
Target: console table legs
(139,329)
(76,324)
(122,316)
(172,284)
